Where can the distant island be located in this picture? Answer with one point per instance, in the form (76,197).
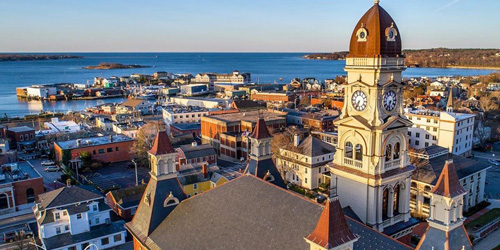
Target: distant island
(436,58)
(19,57)
(105,65)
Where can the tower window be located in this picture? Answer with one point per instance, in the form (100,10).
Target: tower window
(397,149)
(388,152)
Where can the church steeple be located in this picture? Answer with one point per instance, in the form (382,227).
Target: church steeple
(445,230)
(162,156)
(449,104)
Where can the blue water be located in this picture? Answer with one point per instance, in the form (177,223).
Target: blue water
(265,68)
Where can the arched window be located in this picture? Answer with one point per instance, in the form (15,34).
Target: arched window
(395,207)
(30,195)
(388,152)
(385,204)
(348,150)
(397,150)
(359,152)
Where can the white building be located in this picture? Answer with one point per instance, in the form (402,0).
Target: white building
(40,91)
(179,114)
(453,131)
(201,102)
(429,162)
(72,218)
(56,126)
(194,89)
(305,165)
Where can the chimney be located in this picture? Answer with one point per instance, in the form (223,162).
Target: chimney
(194,144)
(78,141)
(204,170)
(111,138)
(296,140)
(68,182)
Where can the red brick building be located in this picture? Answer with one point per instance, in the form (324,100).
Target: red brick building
(114,148)
(227,133)
(21,137)
(281,97)
(124,202)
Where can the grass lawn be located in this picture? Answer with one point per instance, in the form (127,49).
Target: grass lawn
(484,219)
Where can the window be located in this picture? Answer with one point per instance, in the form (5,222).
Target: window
(409,133)
(195,186)
(109,150)
(427,136)
(395,205)
(104,241)
(101,151)
(305,170)
(79,216)
(30,195)
(427,144)
(117,149)
(305,180)
(58,216)
(434,137)
(348,150)
(73,248)
(417,143)
(117,237)
(21,137)
(418,135)
(94,207)
(66,228)
(385,204)
(97,221)
(388,152)
(93,152)
(359,152)
(319,170)
(58,230)
(397,149)
(435,129)
(65,213)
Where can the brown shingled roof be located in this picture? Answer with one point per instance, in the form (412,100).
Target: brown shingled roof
(377,22)
(162,144)
(260,131)
(332,229)
(448,184)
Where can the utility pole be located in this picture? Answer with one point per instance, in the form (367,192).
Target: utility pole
(136,179)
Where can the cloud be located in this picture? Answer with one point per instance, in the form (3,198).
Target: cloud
(453,2)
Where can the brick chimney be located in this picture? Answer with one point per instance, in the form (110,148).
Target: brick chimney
(204,170)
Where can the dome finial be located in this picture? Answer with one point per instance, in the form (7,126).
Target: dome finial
(377,1)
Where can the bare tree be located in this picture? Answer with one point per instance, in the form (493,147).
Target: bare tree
(145,140)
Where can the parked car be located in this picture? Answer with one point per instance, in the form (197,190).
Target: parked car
(52,169)
(13,235)
(48,163)
(496,163)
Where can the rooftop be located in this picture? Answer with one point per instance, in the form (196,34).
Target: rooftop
(92,141)
(21,129)
(187,126)
(13,172)
(251,116)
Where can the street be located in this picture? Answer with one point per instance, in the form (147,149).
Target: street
(48,177)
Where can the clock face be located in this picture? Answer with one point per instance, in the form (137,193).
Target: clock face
(391,34)
(359,100)
(390,100)
(362,35)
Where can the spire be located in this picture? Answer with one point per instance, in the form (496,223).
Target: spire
(377,2)
(162,144)
(448,184)
(332,229)
(260,131)
(449,105)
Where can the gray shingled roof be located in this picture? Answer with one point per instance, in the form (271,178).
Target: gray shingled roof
(248,213)
(312,146)
(198,151)
(428,171)
(436,239)
(64,196)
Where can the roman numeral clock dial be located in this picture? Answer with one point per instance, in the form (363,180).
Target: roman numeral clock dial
(390,100)
(359,100)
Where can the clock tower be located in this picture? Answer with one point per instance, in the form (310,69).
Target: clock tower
(371,162)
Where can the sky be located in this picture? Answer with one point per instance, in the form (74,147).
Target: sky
(236,25)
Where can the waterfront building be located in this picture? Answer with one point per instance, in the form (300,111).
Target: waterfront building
(19,186)
(41,91)
(139,106)
(182,114)
(113,148)
(305,163)
(228,133)
(212,78)
(371,161)
(445,230)
(429,163)
(73,218)
(450,130)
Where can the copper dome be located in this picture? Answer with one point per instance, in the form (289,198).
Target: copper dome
(375,35)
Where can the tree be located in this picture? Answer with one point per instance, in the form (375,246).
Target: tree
(22,241)
(145,140)
(86,158)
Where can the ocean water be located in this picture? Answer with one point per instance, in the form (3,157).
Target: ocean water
(264,67)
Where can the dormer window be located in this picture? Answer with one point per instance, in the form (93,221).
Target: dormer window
(57,216)
(362,34)
(171,200)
